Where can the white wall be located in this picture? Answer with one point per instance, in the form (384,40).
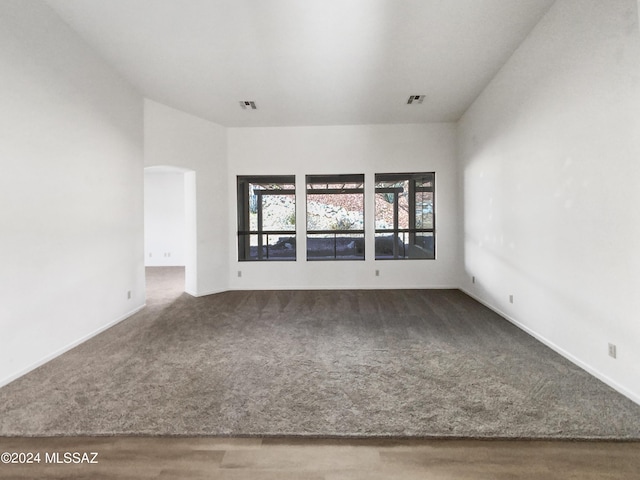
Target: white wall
(71,237)
(551,167)
(367,149)
(175,138)
(164,218)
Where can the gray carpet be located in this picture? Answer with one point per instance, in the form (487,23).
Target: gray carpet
(419,363)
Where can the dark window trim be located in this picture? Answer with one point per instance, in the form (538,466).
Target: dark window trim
(319,180)
(334,191)
(261,179)
(341,178)
(412,178)
(244,236)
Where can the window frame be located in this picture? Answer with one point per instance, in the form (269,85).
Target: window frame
(244,207)
(335,179)
(412,231)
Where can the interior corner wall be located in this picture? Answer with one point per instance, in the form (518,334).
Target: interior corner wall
(70,190)
(550,163)
(175,138)
(356,149)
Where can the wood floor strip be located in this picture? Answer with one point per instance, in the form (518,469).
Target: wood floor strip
(308,459)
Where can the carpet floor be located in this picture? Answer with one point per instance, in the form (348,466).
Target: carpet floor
(356,363)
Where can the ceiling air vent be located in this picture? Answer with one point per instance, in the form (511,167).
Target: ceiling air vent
(248,105)
(415,99)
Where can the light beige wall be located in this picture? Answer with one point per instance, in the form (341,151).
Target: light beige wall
(550,168)
(71,231)
(175,138)
(360,149)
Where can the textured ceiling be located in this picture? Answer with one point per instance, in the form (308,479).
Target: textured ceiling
(307,62)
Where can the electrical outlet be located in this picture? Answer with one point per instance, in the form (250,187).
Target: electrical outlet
(239,273)
(377,273)
(510,298)
(613,351)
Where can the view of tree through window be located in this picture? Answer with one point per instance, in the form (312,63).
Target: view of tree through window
(335,217)
(266,218)
(405,218)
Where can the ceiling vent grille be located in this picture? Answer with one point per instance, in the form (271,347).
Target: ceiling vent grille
(248,105)
(415,99)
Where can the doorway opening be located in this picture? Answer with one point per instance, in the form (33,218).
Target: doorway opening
(170,245)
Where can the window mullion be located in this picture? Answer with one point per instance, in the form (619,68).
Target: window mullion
(259,211)
(412,211)
(396,222)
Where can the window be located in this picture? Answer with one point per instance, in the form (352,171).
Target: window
(266,218)
(405,216)
(335,217)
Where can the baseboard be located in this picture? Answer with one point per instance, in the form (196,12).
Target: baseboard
(556,348)
(338,287)
(204,294)
(321,287)
(57,353)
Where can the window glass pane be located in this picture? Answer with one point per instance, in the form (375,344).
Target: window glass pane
(269,247)
(335,217)
(384,211)
(423,246)
(387,193)
(278,212)
(266,218)
(327,246)
(406,245)
(390,246)
(404,216)
(424,210)
(335,212)
(426,181)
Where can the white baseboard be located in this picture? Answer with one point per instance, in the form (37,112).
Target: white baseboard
(75,343)
(322,287)
(573,359)
(204,294)
(342,287)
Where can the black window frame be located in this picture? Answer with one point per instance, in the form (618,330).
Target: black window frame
(413,230)
(244,205)
(359,240)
